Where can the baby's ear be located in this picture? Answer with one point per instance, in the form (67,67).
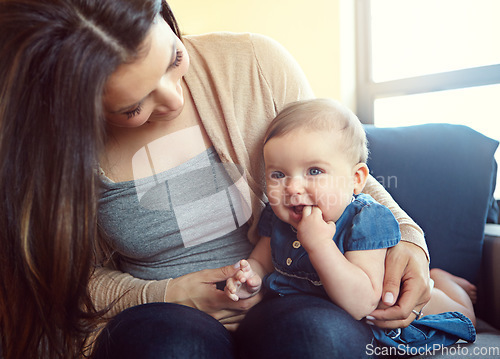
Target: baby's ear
(360,176)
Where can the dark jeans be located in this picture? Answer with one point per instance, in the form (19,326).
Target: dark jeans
(289,327)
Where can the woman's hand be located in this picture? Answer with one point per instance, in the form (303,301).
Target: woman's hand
(198,290)
(407,279)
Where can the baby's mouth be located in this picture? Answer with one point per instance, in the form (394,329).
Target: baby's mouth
(298,209)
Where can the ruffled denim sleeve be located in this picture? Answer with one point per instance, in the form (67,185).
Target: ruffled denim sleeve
(373,227)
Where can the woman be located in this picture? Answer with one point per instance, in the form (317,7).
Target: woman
(87,82)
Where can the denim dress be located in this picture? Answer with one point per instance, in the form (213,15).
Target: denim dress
(364,225)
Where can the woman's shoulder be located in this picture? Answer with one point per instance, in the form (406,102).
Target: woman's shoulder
(239,48)
(245,67)
(227,53)
(228,40)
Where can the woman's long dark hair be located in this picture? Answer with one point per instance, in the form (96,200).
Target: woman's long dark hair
(55,58)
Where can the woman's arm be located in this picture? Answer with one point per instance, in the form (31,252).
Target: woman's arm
(118,290)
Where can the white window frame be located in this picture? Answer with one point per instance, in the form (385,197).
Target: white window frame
(367,91)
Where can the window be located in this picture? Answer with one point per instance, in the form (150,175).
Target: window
(421,61)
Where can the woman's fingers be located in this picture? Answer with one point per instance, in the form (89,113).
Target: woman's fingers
(220,274)
(234,311)
(407,281)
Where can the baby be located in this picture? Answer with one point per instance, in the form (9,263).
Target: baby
(322,236)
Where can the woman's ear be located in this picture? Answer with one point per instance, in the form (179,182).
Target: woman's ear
(360,176)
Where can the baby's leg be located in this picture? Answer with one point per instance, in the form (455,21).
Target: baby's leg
(450,294)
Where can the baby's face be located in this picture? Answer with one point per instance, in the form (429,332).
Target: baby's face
(307,168)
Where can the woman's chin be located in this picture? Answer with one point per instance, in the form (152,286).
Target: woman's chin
(165,116)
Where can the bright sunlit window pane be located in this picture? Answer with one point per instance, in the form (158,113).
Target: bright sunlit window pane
(419,37)
(476,107)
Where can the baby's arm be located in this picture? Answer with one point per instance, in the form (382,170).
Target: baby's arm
(352,281)
(248,280)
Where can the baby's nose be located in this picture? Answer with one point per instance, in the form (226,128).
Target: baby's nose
(295,185)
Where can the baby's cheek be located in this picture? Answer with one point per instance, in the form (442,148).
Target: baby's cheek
(332,209)
(328,201)
(274,196)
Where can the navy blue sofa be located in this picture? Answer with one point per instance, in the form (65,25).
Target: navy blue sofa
(444,177)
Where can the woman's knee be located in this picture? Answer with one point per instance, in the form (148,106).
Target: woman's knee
(301,327)
(164,330)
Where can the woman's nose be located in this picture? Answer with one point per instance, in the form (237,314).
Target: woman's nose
(169,95)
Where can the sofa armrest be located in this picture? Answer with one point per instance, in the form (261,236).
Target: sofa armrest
(489,284)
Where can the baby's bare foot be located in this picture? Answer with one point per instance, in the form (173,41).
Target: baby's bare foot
(467,286)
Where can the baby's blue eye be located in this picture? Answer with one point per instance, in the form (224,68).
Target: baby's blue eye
(315,171)
(277,175)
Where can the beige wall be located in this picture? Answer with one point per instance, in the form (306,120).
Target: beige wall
(313,31)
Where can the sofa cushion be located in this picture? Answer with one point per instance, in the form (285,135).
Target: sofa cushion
(444,177)
(486,346)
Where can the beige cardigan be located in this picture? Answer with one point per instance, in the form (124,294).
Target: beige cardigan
(239,82)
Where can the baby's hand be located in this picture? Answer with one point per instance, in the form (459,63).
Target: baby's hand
(244,284)
(313,229)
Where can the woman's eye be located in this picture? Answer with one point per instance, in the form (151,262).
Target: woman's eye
(315,171)
(178,59)
(277,175)
(136,111)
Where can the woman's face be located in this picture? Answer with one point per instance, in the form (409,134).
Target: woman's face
(148,89)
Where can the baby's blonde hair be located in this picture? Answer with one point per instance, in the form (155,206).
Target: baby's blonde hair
(324,115)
